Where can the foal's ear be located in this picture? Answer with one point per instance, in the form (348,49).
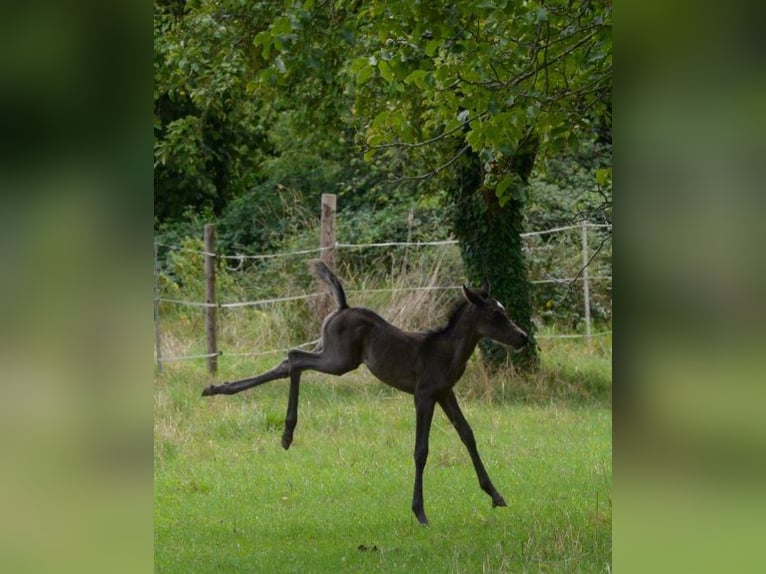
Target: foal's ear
(485,285)
(471,296)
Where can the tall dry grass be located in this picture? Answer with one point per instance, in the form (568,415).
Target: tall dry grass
(252,338)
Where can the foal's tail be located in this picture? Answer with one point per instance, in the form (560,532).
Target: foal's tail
(321,271)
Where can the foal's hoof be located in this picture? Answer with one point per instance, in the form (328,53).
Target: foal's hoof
(209,390)
(498,501)
(286,441)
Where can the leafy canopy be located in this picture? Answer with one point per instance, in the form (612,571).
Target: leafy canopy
(431,80)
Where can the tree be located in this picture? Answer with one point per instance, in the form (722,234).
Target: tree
(490,242)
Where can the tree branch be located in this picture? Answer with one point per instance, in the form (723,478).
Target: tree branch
(607,237)
(432,140)
(434,171)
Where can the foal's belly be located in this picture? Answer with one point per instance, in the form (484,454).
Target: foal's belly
(392,368)
(391,354)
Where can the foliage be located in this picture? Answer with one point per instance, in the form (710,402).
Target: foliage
(190,225)
(427,79)
(558,260)
(260,219)
(209,136)
(260,107)
(566,190)
(417,81)
(181,274)
(481,74)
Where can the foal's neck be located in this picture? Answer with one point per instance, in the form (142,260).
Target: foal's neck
(463,337)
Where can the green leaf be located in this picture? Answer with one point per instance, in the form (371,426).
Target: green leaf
(511,187)
(603,176)
(281,26)
(385,71)
(417,77)
(262,38)
(442,74)
(375,139)
(357,64)
(452,125)
(397,120)
(475,138)
(431,47)
(364,74)
(501,191)
(380,120)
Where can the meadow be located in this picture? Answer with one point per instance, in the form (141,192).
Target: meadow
(228,498)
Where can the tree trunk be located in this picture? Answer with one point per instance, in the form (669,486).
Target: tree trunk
(491,247)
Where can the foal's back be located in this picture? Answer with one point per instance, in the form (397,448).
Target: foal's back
(389,352)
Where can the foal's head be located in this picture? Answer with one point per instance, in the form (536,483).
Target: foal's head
(491,318)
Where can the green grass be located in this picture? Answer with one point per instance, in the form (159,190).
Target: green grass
(228,498)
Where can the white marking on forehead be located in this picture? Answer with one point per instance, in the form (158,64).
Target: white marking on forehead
(499,304)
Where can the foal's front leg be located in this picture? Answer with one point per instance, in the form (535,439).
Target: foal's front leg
(449,404)
(424,412)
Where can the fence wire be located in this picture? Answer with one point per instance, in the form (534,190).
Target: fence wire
(241,257)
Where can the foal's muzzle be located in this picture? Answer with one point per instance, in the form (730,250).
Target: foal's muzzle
(517,339)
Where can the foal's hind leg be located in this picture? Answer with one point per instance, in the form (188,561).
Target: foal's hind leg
(324,362)
(281,371)
(424,412)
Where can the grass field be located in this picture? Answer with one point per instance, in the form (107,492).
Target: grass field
(228,498)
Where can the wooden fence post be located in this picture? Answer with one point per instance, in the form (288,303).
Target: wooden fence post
(210,309)
(157,335)
(324,303)
(585,286)
(327,235)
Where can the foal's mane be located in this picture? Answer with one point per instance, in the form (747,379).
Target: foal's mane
(453,316)
(458,306)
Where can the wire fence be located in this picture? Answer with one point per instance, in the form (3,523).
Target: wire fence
(210,305)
